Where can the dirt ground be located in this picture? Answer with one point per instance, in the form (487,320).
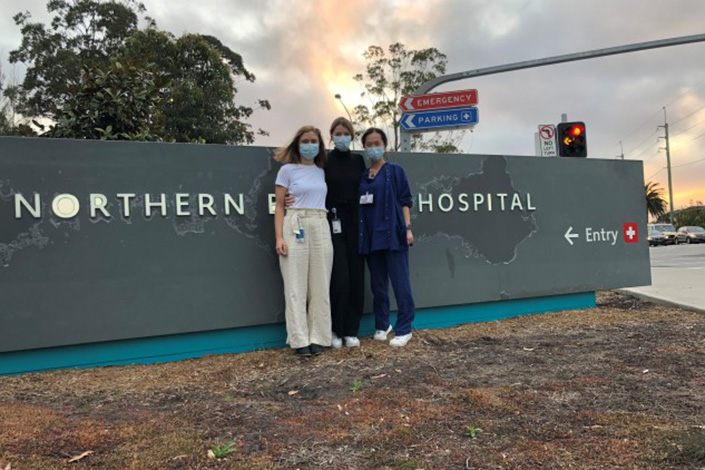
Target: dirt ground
(617,387)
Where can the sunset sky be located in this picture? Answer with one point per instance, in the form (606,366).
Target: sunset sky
(303,52)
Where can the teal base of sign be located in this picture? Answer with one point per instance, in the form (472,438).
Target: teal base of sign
(237,340)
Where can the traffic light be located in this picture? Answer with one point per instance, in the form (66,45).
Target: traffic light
(571,138)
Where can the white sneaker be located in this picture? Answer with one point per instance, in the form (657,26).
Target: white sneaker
(381,335)
(399,341)
(336,342)
(352,342)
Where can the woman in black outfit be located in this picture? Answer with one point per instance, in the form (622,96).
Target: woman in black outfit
(343,172)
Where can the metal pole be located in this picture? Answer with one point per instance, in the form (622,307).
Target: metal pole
(340,98)
(668,164)
(640,46)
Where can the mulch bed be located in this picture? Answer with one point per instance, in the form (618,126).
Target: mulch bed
(617,387)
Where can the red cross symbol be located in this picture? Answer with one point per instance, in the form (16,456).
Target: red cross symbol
(631,232)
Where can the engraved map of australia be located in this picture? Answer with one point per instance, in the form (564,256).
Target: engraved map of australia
(489,214)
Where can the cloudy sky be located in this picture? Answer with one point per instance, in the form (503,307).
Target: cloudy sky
(303,52)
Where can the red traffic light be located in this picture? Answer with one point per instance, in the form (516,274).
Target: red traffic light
(572,140)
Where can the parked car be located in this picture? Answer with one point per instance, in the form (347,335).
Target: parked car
(667,230)
(655,238)
(690,234)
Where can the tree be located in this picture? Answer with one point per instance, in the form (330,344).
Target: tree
(388,77)
(81,33)
(120,103)
(5,122)
(90,35)
(8,124)
(200,102)
(655,203)
(5,125)
(693,215)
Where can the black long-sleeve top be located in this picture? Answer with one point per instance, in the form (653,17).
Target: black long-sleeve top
(343,172)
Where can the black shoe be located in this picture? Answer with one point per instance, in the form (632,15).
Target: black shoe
(316,349)
(303,352)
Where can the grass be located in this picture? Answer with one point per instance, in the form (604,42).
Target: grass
(472,431)
(223,450)
(559,390)
(687,448)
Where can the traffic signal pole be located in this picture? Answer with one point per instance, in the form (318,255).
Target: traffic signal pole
(640,46)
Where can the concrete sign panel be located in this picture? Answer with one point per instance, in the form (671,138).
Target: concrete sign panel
(104,241)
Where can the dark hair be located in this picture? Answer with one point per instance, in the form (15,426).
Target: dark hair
(341,121)
(290,153)
(374,130)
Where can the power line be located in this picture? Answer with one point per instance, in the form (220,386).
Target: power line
(688,115)
(647,149)
(646,121)
(643,142)
(651,156)
(688,141)
(688,128)
(689,163)
(698,85)
(648,178)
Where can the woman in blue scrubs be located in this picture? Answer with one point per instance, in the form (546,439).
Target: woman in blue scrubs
(385,237)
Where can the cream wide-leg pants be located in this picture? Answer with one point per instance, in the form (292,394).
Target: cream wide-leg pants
(306,271)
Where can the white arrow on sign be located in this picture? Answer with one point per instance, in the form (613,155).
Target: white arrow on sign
(568,235)
(407,103)
(409,120)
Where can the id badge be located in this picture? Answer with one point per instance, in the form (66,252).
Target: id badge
(367,198)
(300,235)
(337,226)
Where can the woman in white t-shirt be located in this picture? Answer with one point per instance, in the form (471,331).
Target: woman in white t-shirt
(303,242)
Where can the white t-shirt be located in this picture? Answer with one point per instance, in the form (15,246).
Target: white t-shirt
(307,183)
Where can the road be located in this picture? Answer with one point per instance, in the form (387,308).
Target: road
(677,276)
(678,256)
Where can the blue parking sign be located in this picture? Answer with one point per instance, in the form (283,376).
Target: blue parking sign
(447,118)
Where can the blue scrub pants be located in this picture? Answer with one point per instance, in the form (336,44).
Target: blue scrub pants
(385,266)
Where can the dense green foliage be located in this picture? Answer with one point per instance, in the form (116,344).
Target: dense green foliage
(176,89)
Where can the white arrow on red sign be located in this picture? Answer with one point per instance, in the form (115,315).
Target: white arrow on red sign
(446,100)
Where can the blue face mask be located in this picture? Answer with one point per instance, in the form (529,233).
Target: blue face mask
(308,151)
(374,153)
(342,142)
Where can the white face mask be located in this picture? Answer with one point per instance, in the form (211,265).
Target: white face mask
(308,151)
(342,142)
(375,154)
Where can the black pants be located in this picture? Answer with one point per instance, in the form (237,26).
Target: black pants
(348,278)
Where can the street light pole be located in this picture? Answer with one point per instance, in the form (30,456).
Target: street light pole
(340,98)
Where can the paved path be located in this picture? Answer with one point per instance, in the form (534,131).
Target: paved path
(677,276)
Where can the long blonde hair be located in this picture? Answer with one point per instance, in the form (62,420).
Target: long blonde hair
(290,153)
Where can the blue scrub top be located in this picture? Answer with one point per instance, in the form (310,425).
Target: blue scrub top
(382,225)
